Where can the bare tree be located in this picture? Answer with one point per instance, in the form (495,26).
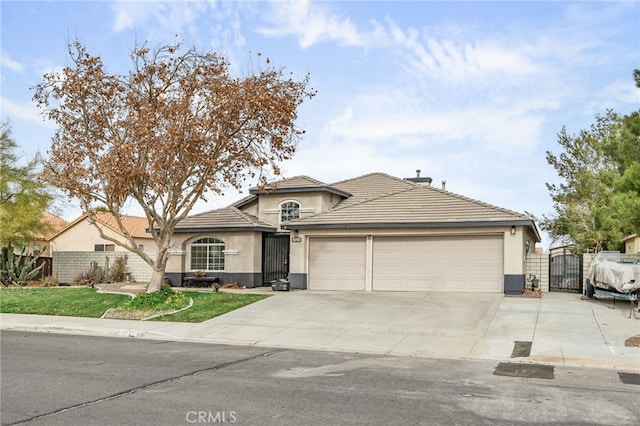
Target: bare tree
(176,127)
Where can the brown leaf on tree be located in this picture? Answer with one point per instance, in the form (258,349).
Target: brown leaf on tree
(176,127)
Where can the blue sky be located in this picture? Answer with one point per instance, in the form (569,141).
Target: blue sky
(473,93)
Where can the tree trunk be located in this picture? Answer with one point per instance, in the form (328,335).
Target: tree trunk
(158,267)
(156,280)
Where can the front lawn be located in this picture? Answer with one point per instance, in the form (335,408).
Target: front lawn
(87,302)
(72,302)
(210,305)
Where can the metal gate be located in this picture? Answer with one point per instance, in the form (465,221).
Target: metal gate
(565,273)
(275,257)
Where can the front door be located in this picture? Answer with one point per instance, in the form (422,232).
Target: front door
(275,257)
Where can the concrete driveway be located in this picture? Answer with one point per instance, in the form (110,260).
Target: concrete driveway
(560,328)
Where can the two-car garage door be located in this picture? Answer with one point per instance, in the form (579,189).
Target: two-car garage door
(445,263)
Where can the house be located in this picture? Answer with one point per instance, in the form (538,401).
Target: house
(78,246)
(632,244)
(52,224)
(372,233)
(81,235)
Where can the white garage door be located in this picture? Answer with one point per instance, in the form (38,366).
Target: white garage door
(337,263)
(465,263)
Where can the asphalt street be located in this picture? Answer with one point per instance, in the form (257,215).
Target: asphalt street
(53,379)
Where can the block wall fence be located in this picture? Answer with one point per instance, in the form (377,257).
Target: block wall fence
(67,265)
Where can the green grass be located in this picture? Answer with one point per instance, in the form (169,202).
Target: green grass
(86,302)
(73,302)
(210,305)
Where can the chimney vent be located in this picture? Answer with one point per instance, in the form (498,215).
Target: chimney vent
(420,180)
(444,185)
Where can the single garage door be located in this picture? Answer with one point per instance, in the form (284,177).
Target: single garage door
(337,263)
(461,263)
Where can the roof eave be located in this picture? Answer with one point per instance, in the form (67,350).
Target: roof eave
(446,224)
(199,229)
(300,189)
(244,202)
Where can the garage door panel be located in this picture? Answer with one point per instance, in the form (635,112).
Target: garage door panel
(466,264)
(337,263)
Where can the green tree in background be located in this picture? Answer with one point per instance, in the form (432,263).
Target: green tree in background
(22,198)
(581,199)
(597,202)
(625,146)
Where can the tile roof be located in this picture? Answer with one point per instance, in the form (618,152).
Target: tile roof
(244,201)
(297,184)
(224,219)
(416,205)
(136,226)
(52,223)
(369,186)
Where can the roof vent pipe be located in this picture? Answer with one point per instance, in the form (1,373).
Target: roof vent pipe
(418,173)
(444,185)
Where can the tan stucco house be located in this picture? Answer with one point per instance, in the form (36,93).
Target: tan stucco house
(371,233)
(632,244)
(82,236)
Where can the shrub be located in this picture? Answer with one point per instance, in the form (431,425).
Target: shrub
(49,281)
(165,299)
(119,268)
(87,277)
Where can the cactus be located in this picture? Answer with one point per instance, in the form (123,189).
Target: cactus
(15,269)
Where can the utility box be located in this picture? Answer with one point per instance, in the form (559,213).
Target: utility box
(514,284)
(280,285)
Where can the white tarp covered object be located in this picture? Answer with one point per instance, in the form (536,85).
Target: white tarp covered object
(621,277)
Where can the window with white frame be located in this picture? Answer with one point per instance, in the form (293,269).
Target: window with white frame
(206,254)
(289,210)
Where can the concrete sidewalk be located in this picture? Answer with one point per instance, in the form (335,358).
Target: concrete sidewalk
(562,328)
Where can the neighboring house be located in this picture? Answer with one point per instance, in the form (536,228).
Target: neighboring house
(80,235)
(78,245)
(632,244)
(52,224)
(373,232)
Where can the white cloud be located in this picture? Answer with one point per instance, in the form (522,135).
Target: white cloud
(379,116)
(617,92)
(206,23)
(25,112)
(310,23)
(130,14)
(7,62)
(159,18)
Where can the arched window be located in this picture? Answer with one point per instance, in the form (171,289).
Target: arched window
(206,254)
(289,210)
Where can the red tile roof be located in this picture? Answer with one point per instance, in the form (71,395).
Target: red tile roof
(137,226)
(52,224)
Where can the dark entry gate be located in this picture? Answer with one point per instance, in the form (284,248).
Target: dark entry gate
(275,257)
(565,273)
